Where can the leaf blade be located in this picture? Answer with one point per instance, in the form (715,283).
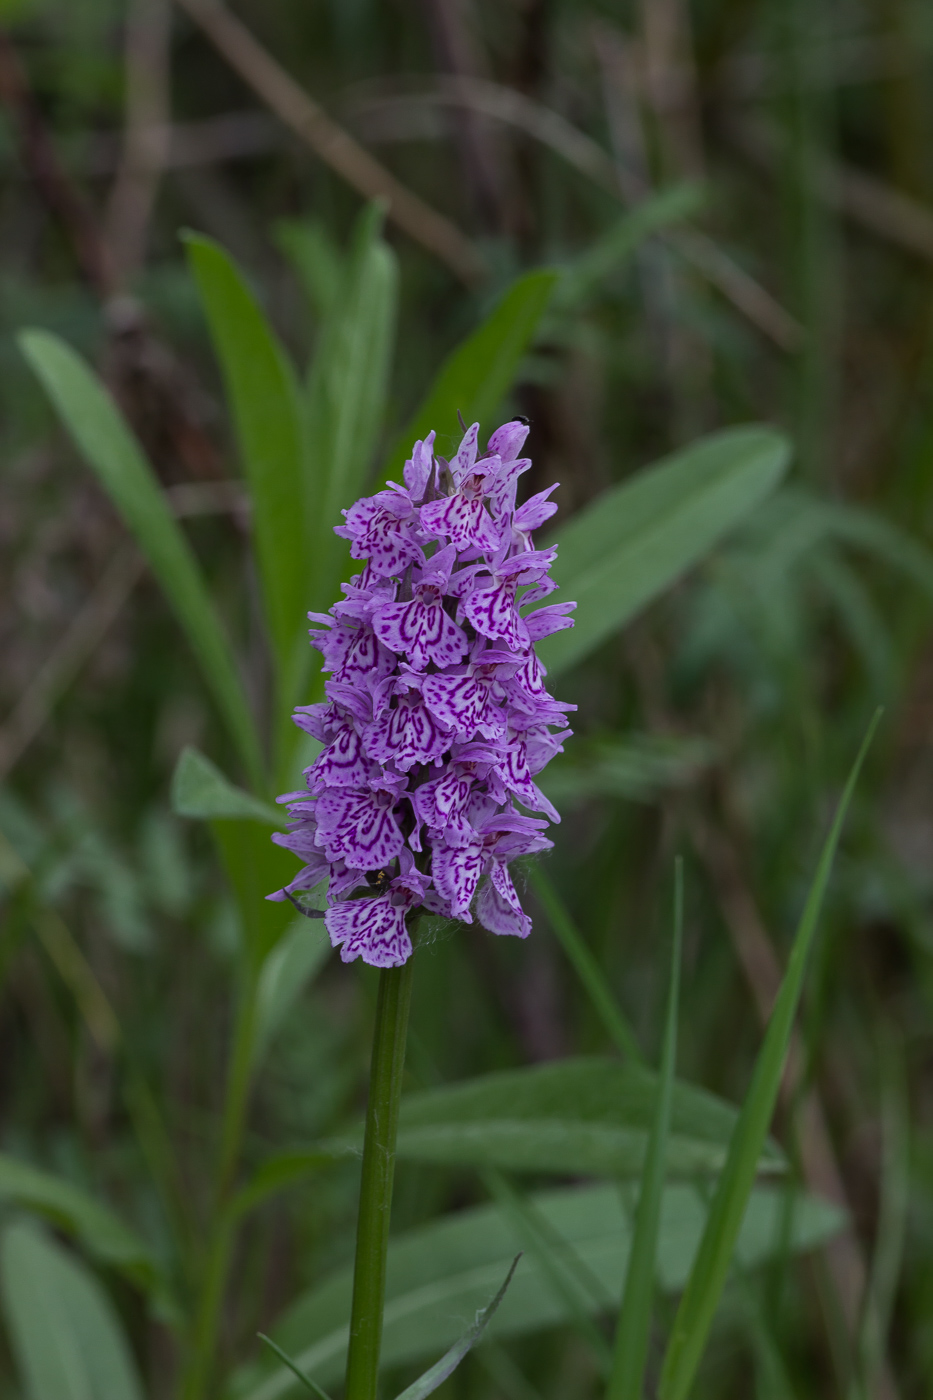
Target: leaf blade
(265,405)
(478,374)
(708,1274)
(638,538)
(634,1326)
(104,440)
(65,1333)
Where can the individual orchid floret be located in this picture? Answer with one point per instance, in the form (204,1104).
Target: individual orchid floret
(436,718)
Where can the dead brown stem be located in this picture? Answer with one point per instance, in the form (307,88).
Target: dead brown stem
(331,143)
(145,138)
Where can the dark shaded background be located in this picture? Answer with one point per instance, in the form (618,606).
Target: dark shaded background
(800,294)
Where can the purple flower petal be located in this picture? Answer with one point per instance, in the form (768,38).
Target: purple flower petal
(466,454)
(465,704)
(406,735)
(493,613)
(537,509)
(422,631)
(456,872)
(419,467)
(343,764)
(509,440)
(498,908)
(371,929)
(547,620)
(358,827)
(463,519)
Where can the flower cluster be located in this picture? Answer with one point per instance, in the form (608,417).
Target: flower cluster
(437,718)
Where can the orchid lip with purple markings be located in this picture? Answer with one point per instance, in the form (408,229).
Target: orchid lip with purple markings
(437,719)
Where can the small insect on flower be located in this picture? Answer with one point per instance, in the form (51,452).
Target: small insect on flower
(437,719)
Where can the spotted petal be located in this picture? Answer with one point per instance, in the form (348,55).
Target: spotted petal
(343,764)
(493,613)
(422,631)
(498,907)
(406,735)
(358,827)
(456,872)
(464,704)
(371,929)
(464,520)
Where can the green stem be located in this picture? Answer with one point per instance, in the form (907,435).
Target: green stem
(220,1233)
(372,1233)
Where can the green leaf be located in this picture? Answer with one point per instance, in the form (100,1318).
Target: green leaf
(255,865)
(582,278)
(585,1115)
(475,378)
(585,965)
(199,789)
(317,260)
(108,446)
(347,390)
(277,1174)
(306,1381)
(286,972)
(427,1384)
(708,1274)
(634,1326)
(637,539)
(635,766)
(439,1274)
(64,1331)
(265,403)
(97,1229)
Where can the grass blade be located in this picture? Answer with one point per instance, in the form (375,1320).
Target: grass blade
(708,1275)
(426,1385)
(475,378)
(65,1333)
(266,408)
(110,449)
(631,1344)
(638,538)
(585,965)
(306,1381)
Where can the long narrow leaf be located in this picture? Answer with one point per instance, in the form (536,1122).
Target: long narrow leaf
(475,377)
(101,1233)
(347,390)
(638,538)
(708,1274)
(266,407)
(283,1356)
(254,863)
(110,449)
(585,965)
(439,1274)
(64,1330)
(426,1385)
(632,1334)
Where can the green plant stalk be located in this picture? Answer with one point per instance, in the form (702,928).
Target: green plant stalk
(372,1232)
(585,965)
(701,1296)
(222,1226)
(633,1331)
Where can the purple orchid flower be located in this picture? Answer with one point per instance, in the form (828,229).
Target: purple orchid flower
(437,718)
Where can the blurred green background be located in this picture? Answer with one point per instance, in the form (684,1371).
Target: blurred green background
(789,283)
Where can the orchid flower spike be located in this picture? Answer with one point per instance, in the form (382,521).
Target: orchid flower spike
(437,719)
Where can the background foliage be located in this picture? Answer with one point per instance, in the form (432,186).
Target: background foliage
(657,222)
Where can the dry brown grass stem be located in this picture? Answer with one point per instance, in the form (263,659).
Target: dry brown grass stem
(284,96)
(145,136)
(866,200)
